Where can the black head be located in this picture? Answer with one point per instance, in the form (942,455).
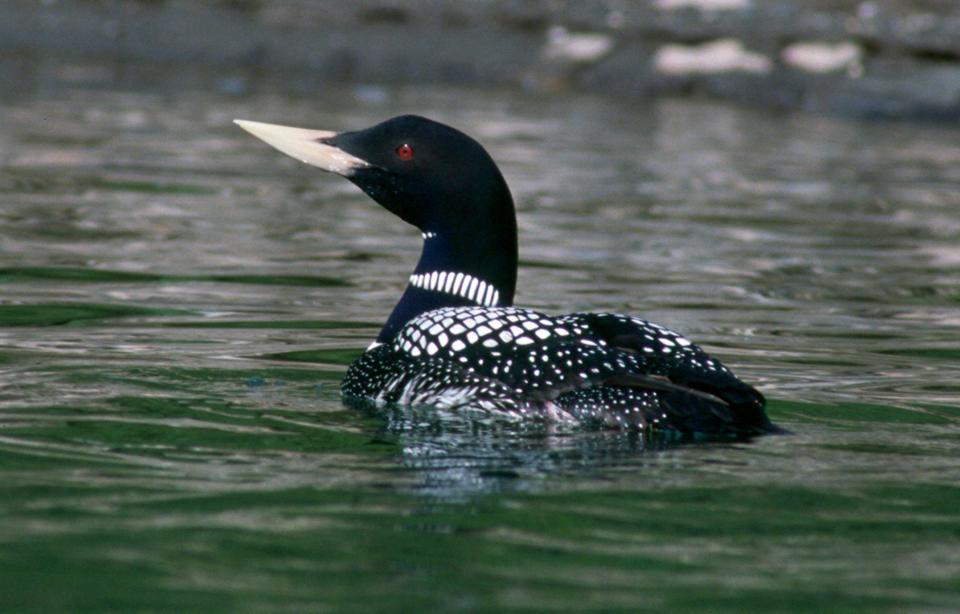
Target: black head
(434,177)
(429,174)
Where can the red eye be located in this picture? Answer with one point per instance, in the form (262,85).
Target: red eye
(405,152)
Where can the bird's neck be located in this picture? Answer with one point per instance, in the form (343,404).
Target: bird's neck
(459,267)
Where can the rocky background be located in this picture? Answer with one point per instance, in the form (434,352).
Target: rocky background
(879,58)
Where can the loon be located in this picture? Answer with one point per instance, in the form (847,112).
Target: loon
(455,340)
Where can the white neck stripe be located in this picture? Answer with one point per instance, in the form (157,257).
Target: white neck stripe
(460,284)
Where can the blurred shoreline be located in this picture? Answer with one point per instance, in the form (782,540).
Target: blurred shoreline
(891,59)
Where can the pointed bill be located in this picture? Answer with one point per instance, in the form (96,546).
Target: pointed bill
(305,145)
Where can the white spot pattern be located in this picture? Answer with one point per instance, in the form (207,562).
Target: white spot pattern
(499,327)
(522,363)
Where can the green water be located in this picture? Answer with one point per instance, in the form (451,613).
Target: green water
(178,303)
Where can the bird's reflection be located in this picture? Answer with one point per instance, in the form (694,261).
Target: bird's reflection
(453,456)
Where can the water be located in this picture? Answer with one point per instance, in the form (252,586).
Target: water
(178,303)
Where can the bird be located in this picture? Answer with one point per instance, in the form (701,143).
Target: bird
(455,341)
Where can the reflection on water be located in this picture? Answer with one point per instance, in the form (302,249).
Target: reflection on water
(454,457)
(177,305)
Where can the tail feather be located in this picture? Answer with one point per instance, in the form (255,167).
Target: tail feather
(644,402)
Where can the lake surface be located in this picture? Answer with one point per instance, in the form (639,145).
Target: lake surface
(179,301)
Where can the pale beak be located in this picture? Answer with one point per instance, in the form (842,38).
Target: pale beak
(306,146)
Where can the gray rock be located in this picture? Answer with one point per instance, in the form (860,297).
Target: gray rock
(897,58)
